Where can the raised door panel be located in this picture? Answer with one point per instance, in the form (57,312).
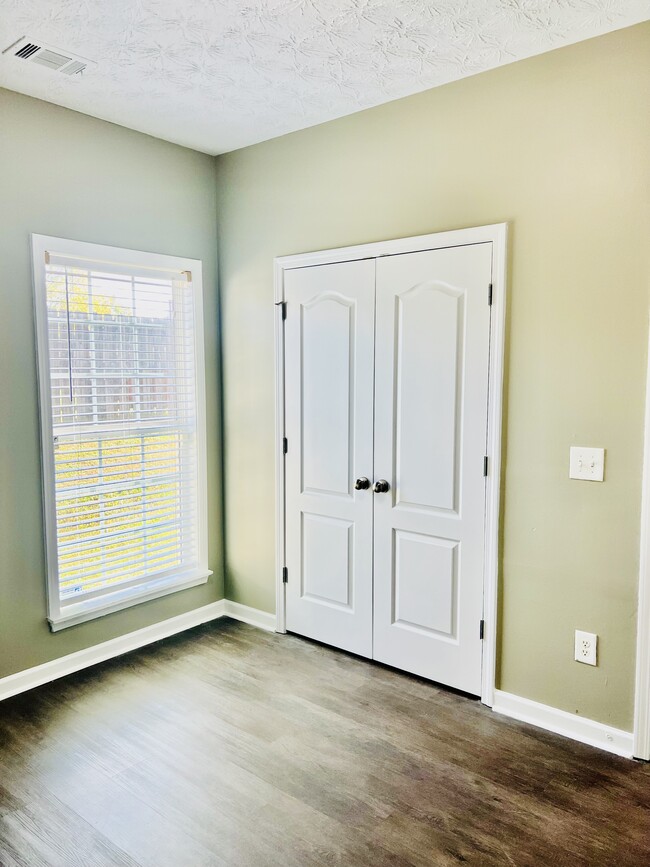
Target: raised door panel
(327,560)
(428,371)
(329,350)
(425,583)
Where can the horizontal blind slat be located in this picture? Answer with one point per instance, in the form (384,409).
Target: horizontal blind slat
(77,590)
(114,486)
(116,562)
(75,531)
(87,432)
(78,548)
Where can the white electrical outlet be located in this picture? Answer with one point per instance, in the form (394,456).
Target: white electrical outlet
(586,647)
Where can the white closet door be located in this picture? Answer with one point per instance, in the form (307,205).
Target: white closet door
(329,343)
(431,392)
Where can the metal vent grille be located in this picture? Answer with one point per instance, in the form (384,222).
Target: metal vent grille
(49,57)
(74,67)
(28,50)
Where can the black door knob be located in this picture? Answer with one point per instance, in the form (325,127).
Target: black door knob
(381,486)
(362,484)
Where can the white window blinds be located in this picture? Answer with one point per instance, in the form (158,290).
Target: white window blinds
(125,421)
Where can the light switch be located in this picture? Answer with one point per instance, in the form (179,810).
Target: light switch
(587,464)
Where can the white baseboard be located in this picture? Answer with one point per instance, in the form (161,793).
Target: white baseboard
(48,671)
(261,619)
(587,731)
(569,725)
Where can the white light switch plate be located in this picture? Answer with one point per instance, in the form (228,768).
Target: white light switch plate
(587,464)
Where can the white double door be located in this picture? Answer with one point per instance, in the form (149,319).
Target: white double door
(386,380)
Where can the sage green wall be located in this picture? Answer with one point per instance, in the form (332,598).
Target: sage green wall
(65,174)
(558,146)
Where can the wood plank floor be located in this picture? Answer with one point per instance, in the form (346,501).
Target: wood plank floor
(230,746)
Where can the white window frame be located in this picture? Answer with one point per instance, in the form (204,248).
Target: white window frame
(64,615)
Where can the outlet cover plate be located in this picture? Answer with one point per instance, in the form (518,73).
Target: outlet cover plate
(587,464)
(586,647)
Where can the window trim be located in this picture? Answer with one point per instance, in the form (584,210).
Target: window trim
(62,616)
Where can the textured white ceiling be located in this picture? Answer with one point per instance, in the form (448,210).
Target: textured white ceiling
(220,74)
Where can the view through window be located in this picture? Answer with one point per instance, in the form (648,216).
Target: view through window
(124,418)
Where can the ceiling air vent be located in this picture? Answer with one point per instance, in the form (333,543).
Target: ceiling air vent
(49,57)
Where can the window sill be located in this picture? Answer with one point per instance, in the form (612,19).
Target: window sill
(80,612)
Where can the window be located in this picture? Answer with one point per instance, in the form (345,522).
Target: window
(121,373)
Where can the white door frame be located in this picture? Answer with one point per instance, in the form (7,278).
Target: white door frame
(641,747)
(497,235)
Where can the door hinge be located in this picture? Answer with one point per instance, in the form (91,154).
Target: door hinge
(485,465)
(285,575)
(490,295)
(283,306)
(285,445)
(481,630)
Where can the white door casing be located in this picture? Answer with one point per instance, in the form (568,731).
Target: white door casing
(491,235)
(431,402)
(329,337)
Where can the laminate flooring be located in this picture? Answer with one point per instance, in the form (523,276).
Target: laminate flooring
(230,746)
